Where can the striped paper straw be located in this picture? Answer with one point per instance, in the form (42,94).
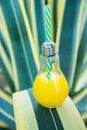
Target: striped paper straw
(48,23)
(48,38)
(48,68)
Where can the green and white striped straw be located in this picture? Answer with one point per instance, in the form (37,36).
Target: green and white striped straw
(48,23)
(48,38)
(48,68)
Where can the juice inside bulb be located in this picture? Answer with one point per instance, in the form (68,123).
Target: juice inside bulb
(50,93)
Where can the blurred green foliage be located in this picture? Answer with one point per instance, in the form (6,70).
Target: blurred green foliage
(22,32)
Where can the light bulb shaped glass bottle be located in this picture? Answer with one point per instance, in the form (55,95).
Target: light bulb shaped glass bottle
(50,87)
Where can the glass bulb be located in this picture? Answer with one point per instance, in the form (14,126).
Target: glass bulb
(50,87)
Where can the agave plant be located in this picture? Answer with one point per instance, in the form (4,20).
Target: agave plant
(22,32)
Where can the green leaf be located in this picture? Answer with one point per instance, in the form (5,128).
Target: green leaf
(36,14)
(54,19)
(3,42)
(6,109)
(82,107)
(81,65)
(4,54)
(20,47)
(60,13)
(27,6)
(77,96)
(69,41)
(3,126)
(84,116)
(45,118)
(6,68)
(22,34)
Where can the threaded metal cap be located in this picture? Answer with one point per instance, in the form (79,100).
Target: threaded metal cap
(48,49)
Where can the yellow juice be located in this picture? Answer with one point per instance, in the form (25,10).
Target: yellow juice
(50,93)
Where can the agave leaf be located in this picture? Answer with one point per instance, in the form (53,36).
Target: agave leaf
(82,81)
(21,57)
(6,109)
(29,34)
(27,6)
(55,118)
(4,54)
(3,125)
(6,68)
(3,42)
(82,107)
(3,82)
(81,66)
(36,12)
(69,38)
(60,10)
(84,116)
(7,37)
(77,96)
(8,119)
